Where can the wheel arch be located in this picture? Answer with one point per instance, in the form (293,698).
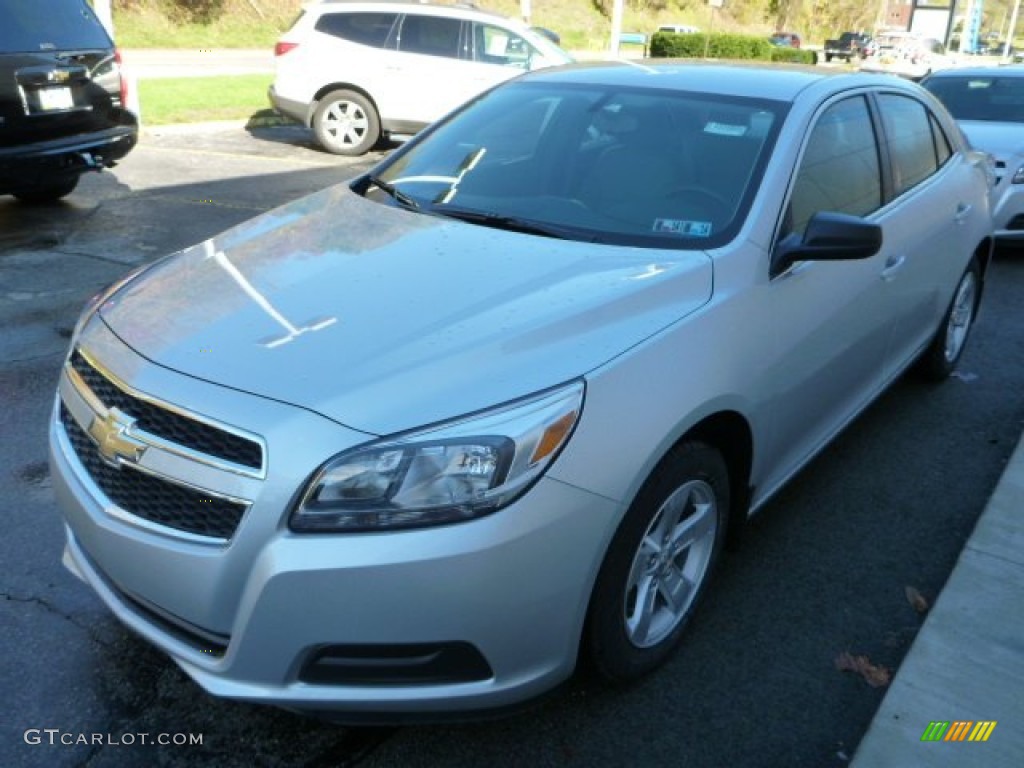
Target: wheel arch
(325,90)
(983,253)
(730,434)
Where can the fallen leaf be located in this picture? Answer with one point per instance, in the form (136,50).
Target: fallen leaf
(874,675)
(916,600)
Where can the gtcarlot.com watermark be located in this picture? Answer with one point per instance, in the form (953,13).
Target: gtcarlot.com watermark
(56,737)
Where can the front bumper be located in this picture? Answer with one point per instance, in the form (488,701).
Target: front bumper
(472,617)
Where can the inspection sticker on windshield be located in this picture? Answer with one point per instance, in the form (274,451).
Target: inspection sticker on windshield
(725,129)
(680,227)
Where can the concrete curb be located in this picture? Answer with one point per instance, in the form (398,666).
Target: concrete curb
(215,126)
(967,663)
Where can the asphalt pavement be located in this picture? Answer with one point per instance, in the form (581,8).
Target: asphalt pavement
(958,698)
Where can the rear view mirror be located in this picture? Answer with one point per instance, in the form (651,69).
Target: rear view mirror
(829,237)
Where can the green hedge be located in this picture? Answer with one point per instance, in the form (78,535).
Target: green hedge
(795,55)
(673,46)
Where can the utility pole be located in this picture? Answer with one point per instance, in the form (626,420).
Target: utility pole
(613,47)
(1011,32)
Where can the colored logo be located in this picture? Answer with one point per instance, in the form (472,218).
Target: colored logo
(958,730)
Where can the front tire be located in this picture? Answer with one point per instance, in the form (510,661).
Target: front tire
(346,123)
(659,564)
(942,355)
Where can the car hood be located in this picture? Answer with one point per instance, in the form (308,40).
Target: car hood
(384,320)
(997,138)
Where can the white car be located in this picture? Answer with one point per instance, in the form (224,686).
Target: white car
(906,55)
(415,444)
(988,103)
(354,71)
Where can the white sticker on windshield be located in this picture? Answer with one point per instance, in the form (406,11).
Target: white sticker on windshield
(725,129)
(680,227)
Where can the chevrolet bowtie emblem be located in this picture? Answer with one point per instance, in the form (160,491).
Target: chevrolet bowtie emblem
(111,435)
(59,76)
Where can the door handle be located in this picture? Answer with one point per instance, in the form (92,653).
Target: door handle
(963,210)
(893,264)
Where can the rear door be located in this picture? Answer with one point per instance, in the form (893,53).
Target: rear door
(342,47)
(428,72)
(58,73)
(935,192)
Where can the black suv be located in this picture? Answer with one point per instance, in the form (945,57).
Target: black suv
(61,98)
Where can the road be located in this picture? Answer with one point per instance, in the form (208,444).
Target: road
(822,571)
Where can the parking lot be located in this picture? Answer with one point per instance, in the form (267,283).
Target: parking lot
(823,571)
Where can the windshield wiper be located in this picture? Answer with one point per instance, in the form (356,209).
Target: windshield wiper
(510,223)
(394,192)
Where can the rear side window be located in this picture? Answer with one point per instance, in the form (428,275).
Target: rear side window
(909,130)
(432,35)
(495,45)
(49,25)
(942,149)
(364,28)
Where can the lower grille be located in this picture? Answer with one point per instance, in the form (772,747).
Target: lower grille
(151,498)
(213,645)
(1017,222)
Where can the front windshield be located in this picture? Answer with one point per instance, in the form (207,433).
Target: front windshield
(991,98)
(651,168)
(553,53)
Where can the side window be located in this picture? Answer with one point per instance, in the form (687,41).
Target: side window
(432,35)
(495,45)
(839,170)
(364,28)
(908,128)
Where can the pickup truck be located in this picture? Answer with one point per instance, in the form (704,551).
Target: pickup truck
(846,46)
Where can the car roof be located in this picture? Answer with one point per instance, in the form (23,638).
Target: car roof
(460,10)
(778,82)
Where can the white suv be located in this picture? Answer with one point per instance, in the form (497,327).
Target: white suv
(353,71)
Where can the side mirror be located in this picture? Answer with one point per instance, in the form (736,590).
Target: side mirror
(829,237)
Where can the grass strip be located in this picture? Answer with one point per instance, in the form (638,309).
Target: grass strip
(201,99)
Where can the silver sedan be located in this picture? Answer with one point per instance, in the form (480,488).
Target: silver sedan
(988,103)
(417,444)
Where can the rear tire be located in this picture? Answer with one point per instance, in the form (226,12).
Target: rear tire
(346,123)
(940,359)
(658,564)
(47,193)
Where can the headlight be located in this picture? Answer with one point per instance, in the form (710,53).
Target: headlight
(1018,177)
(444,474)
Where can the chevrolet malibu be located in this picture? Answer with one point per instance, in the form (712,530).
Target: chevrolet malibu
(417,444)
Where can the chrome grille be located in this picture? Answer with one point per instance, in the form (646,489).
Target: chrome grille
(151,498)
(169,425)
